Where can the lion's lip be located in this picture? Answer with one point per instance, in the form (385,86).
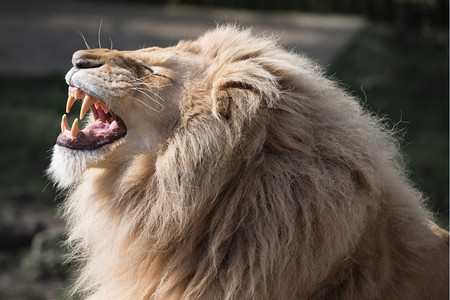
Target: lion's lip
(106,128)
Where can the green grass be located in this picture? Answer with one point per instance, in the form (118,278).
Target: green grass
(404,76)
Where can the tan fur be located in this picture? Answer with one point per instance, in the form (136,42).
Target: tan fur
(259,179)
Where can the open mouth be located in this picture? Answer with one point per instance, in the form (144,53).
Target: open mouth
(106,128)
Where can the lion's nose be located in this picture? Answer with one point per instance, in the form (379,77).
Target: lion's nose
(82,63)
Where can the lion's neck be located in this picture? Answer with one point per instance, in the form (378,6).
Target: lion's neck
(118,219)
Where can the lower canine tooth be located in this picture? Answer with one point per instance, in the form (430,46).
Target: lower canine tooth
(64,124)
(74,131)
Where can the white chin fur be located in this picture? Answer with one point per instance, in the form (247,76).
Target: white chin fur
(68,165)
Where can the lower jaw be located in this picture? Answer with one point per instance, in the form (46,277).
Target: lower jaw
(83,147)
(68,165)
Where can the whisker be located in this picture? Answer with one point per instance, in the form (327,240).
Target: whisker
(110,39)
(140,103)
(145,77)
(146,91)
(152,92)
(140,81)
(84,39)
(151,98)
(144,88)
(99,33)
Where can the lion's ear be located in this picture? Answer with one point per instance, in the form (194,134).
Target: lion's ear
(243,91)
(221,104)
(235,96)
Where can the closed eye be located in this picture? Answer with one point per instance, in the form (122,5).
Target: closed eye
(149,68)
(155,71)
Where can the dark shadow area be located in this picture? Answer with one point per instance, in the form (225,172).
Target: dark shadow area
(403,77)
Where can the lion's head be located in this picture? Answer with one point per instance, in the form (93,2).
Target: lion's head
(228,168)
(133,97)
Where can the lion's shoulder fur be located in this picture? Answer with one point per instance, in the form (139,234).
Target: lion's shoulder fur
(276,184)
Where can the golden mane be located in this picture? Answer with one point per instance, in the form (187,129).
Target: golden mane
(273,184)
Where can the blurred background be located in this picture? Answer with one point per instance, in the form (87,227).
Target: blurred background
(391,54)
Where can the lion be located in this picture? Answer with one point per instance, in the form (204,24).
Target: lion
(229,168)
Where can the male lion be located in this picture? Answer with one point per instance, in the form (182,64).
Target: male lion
(228,168)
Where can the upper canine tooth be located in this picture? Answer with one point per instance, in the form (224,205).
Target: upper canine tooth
(74,131)
(88,101)
(70,101)
(64,124)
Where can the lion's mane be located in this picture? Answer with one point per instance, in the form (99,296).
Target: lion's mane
(275,184)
